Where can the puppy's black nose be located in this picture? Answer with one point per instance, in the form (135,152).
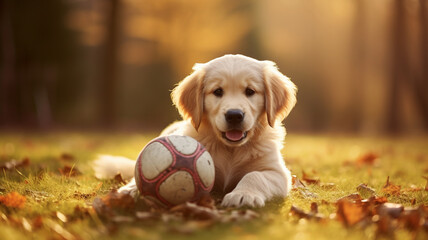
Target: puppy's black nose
(234,116)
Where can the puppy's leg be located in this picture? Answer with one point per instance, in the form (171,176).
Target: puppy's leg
(107,166)
(257,187)
(130,188)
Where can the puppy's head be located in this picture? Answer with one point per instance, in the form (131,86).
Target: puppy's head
(235,94)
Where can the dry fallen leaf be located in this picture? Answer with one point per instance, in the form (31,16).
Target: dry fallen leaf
(298,186)
(309,180)
(385,226)
(411,218)
(13,200)
(391,189)
(114,202)
(349,213)
(393,210)
(299,213)
(296,183)
(365,190)
(12,164)
(367,159)
(351,197)
(66,157)
(194,211)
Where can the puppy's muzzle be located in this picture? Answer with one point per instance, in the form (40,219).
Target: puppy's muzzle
(234,117)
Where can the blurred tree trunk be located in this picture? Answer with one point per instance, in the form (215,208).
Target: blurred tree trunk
(421,81)
(358,65)
(8,89)
(109,69)
(398,65)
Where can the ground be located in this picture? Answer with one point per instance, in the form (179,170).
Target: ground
(49,190)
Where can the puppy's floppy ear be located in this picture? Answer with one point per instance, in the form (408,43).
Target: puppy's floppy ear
(188,96)
(280,93)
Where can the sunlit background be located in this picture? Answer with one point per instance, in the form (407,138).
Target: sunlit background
(361,66)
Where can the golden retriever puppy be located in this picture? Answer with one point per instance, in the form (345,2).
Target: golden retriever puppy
(234,106)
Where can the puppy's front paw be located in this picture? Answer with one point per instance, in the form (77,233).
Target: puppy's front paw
(242,198)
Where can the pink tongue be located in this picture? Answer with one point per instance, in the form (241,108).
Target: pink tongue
(234,135)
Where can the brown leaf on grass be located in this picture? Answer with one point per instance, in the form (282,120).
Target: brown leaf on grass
(300,187)
(385,226)
(365,190)
(299,213)
(118,178)
(352,209)
(194,211)
(370,205)
(69,171)
(309,180)
(412,188)
(375,200)
(13,200)
(351,197)
(391,189)
(412,218)
(113,203)
(150,204)
(296,183)
(12,164)
(368,158)
(80,212)
(66,157)
(349,213)
(393,210)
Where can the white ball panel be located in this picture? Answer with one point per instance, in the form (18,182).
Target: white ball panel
(177,188)
(155,159)
(205,169)
(184,144)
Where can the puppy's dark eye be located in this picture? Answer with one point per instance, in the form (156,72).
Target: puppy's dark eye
(249,92)
(218,92)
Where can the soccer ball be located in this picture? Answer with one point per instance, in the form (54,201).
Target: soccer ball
(174,169)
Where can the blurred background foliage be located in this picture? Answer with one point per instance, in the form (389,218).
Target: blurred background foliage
(361,66)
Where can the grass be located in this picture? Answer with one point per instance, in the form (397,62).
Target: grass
(329,158)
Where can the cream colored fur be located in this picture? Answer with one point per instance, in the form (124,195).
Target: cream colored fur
(250,171)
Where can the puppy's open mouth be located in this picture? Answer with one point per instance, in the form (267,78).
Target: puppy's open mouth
(234,135)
